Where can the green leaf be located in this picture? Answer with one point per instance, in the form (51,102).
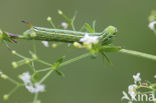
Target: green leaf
(58,62)
(6,37)
(93,25)
(111,48)
(89,28)
(35,76)
(105,57)
(60,73)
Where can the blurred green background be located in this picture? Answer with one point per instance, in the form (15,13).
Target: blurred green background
(88,80)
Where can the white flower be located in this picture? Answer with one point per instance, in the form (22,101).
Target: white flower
(132,91)
(36,88)
(89,39)
(26,78)
(154,76)
(152,25)
(125,96)
(64,25)
(136,78)
(39,87)
(45,43)
(33,88)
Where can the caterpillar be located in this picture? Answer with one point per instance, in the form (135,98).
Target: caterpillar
(68,36)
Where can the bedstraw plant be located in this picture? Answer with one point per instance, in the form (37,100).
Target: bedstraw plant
(96,43)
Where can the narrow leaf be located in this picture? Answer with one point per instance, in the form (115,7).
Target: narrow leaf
(105,57)
(60,73)
(89,28)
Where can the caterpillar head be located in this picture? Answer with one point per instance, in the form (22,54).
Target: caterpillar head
(108,34)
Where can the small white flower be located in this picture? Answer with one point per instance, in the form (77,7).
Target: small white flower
(152,25)
(136,78)
(154,76)
(45,43)
(26,78)
(33,88)
(30,88)
(125,96)
(132,91)
(64,25)
(36,88)
(39,87)
(89,39)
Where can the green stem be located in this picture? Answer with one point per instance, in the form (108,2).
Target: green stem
(67,62)
(75,59)
(62,64)
(12,80)
(43,62)
(44,70)
(35,98)
(13,90)
(46,76)
(139,54)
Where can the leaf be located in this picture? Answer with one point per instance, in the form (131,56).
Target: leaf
(6,37)
(89,28)
(105,57)
(58,62)
(35,76)
(111,48)
(60,73)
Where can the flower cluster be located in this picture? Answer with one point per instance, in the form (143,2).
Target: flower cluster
(132,88)
(33,88)
(136,89)
(87,40)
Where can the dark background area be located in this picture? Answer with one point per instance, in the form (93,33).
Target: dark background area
(88,80)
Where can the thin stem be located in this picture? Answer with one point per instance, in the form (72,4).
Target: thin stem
(35,98)
(32,66)
(43,62)
(13,90)
(52,23)
(43,70)
(46,76)
(75,59)
(19,55)
(12,80)
(67,62)
(139,54)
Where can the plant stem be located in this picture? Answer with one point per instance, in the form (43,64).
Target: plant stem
(139,54)
(62,64)
(46,76)
(35,98)
(75,59)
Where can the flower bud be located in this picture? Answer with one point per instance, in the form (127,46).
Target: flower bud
(48,18)
(6,97)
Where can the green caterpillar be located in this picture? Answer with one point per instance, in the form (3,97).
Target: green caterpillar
(67,36)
